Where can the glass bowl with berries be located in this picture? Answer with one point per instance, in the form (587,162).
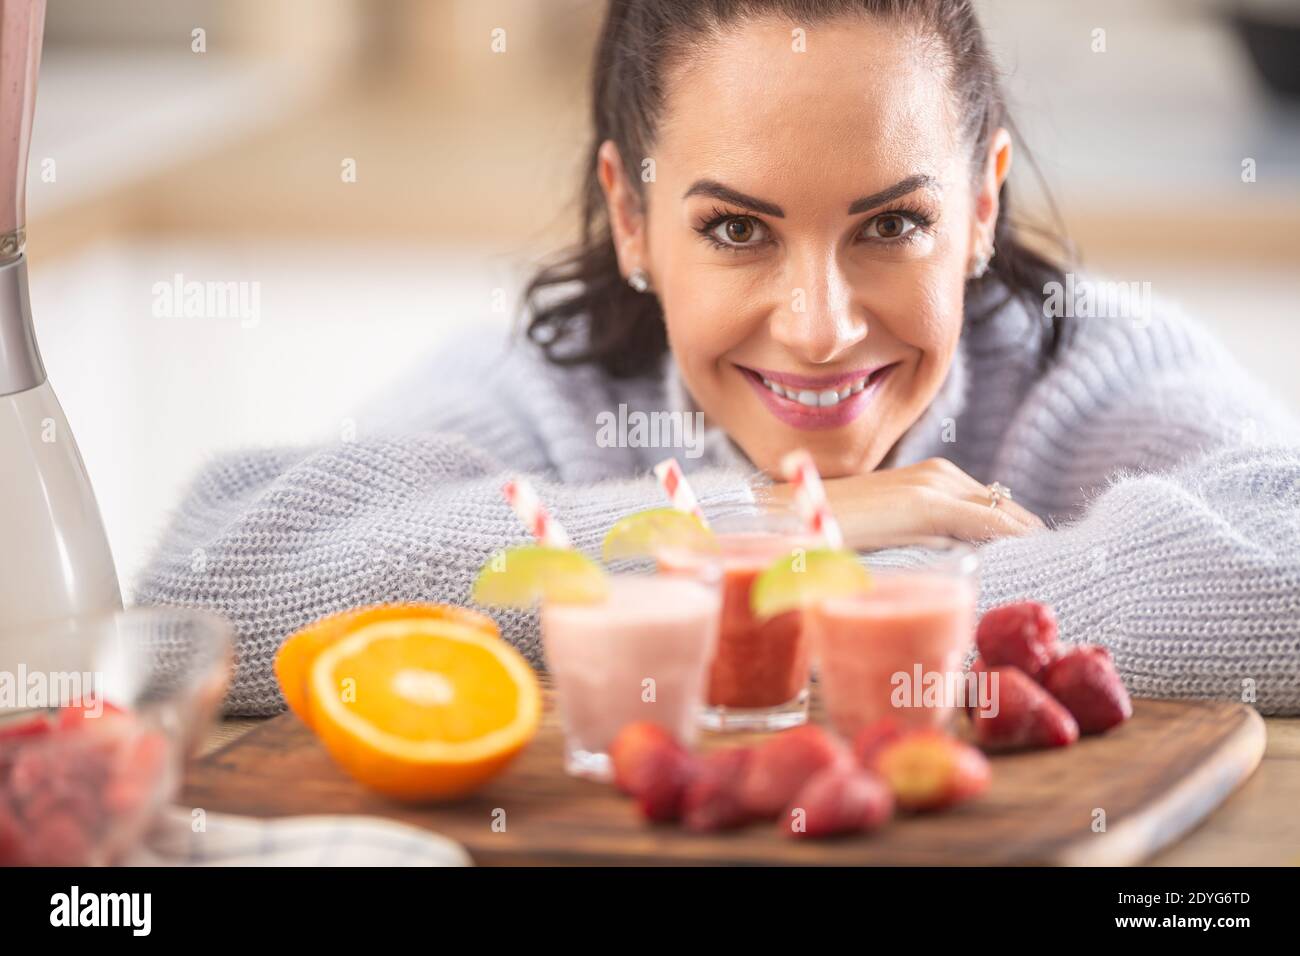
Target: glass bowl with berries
(97,717)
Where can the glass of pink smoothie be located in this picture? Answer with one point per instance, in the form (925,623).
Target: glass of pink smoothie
(758,678)
(641,654)
(899,650)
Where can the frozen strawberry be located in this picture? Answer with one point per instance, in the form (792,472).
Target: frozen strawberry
(631,747)
(930,770)
(1085,681)
(91,712)
(1021,715)
(18,730)
(782,764)
(872,738)
(840,798)
(662,779)
(89,774)
(713,798)
(1022,635)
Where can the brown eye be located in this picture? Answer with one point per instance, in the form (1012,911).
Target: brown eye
(740,230)
(888,225)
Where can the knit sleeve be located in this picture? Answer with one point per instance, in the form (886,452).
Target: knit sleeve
(1184,555)
(274,540)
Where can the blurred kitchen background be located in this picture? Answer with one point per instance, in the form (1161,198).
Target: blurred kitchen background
(221,156)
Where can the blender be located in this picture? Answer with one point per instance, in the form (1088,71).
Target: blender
(55,562)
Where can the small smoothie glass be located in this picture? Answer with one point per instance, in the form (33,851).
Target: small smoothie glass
(758,679)
(640,654)
(899,650)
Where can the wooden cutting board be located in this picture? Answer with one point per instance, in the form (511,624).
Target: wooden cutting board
(1155,777)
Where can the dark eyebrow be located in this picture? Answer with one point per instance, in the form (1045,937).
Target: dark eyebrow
(709,187)
(909,185)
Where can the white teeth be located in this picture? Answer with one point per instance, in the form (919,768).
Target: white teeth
(822,399)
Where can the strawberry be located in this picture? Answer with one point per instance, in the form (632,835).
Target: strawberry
(17,730)
(1022,635)
(74,716)
(839,798)
(1021,715)
(1085,681)
(782,764)
(663,778)
(630,750)
(69,782)
(712,800)
(931,770)
(872,738)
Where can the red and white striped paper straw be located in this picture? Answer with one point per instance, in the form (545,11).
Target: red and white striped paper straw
(523,499)
(679,493)
(799,469)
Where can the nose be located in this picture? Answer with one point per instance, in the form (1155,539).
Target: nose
(820,321)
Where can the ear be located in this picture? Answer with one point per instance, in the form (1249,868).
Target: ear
(996,167)
(623,202)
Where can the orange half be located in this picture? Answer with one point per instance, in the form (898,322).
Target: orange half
(423,708)
(293,660)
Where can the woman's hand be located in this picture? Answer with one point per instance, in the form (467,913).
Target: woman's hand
(931,498)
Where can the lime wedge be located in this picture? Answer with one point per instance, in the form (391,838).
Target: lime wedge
(806,577)
(652,532)
(520,577)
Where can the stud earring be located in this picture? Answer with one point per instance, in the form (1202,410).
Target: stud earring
(980,265)
(638,280)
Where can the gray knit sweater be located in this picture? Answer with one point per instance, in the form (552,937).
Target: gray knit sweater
(1170,485)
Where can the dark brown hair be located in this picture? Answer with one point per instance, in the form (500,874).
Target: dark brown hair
(580,308)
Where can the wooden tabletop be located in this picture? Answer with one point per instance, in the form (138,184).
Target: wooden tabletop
(1256,826)
(1259,824)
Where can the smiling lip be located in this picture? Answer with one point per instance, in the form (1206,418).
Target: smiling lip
(829,413)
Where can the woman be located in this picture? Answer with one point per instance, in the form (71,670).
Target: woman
(796,225)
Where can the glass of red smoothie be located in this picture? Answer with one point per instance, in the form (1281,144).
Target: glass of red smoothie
(899,650)
(758,678)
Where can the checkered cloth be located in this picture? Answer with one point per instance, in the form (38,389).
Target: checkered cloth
(216,839)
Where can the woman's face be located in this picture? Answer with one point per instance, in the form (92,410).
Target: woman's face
(808,231)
